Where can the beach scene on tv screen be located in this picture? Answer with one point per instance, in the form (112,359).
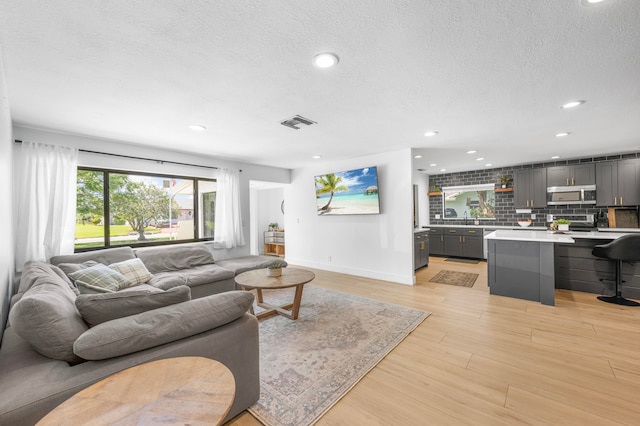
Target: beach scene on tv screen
(350,192)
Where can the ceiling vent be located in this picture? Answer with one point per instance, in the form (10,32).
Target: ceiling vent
(296,120)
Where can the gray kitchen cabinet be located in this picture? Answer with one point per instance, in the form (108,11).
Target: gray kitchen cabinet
(472,244)
(530,188)
(579,174)
(618,183)
(436,241)
(452,244)
(421,249)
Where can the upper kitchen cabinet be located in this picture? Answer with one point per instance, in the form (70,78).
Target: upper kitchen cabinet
(530,188)
(618,183)
(579,174)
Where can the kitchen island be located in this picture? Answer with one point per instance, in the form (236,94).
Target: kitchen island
(521,264)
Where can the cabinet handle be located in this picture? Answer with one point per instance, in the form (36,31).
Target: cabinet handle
(422,246)
(527,203)
(441,238)
(453,231)
(567,181)
(463,239)
(615,201)
(573,181)
(472,232)
(620,200)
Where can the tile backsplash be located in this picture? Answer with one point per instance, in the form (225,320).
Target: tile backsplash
(505,211)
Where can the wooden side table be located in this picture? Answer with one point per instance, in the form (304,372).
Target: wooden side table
(169,391)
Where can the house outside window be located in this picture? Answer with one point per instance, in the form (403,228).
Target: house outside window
(117,208)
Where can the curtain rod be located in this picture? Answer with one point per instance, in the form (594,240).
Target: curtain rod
(141,158)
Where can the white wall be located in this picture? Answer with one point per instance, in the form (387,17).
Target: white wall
(6,211)
(269,201)
(249,171)
(375,246)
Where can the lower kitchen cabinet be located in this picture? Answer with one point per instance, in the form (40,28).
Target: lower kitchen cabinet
(472,244)
(436,241)
(421,249)
(457,242)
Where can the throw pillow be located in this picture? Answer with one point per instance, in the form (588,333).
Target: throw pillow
(134,270)
(99,279)
(99,308)
(154,328)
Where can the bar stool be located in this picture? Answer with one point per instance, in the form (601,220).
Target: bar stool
(623,249)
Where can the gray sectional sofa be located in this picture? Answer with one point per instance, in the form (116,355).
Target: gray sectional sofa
(58,342)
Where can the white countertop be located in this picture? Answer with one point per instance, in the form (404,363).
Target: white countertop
(551,237)
(536,236)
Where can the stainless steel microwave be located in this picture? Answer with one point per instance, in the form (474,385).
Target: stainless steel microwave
(577,194)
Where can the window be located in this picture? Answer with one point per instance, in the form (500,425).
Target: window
(142,209)
(470,201)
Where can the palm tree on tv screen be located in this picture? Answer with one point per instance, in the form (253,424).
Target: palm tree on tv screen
(329,183)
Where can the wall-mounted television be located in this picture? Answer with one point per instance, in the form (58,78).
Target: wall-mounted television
(350,192)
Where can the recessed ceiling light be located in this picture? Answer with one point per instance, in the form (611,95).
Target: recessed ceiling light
(488,165)
(562,134)
(316,156)
(430,133)
(572,104)
(591,2)
(471,152)
(443,170)
(197,128)
(479,158)
(325,60)
(417,156)
(555,157)
(432,164)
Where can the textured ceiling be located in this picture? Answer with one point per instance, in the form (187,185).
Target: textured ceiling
(488,75)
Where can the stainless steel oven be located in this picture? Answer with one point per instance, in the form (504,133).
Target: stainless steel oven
(577,194)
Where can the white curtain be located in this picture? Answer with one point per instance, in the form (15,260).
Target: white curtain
(46,202)
(228,228)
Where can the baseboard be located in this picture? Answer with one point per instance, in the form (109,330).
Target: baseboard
(376,275)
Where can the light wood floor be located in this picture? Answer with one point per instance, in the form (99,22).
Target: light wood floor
(491,360)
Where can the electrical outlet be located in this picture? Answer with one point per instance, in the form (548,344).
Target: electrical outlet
(437,216)
(533,216)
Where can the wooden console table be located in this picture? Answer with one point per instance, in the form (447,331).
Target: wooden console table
(169,391)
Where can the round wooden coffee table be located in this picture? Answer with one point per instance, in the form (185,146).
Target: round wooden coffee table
(291,277)
(169,391)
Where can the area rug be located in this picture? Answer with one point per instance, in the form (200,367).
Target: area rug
(464,279)
(308,364)
(473,261)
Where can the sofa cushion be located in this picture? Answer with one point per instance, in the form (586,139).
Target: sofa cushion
(104,256)
(70,268)
(198,275)
(33,270)
(99,279)
(163,325)
(134,270)
(167,280)
(247,263)
(47,318)
(99,308)
(175,257)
